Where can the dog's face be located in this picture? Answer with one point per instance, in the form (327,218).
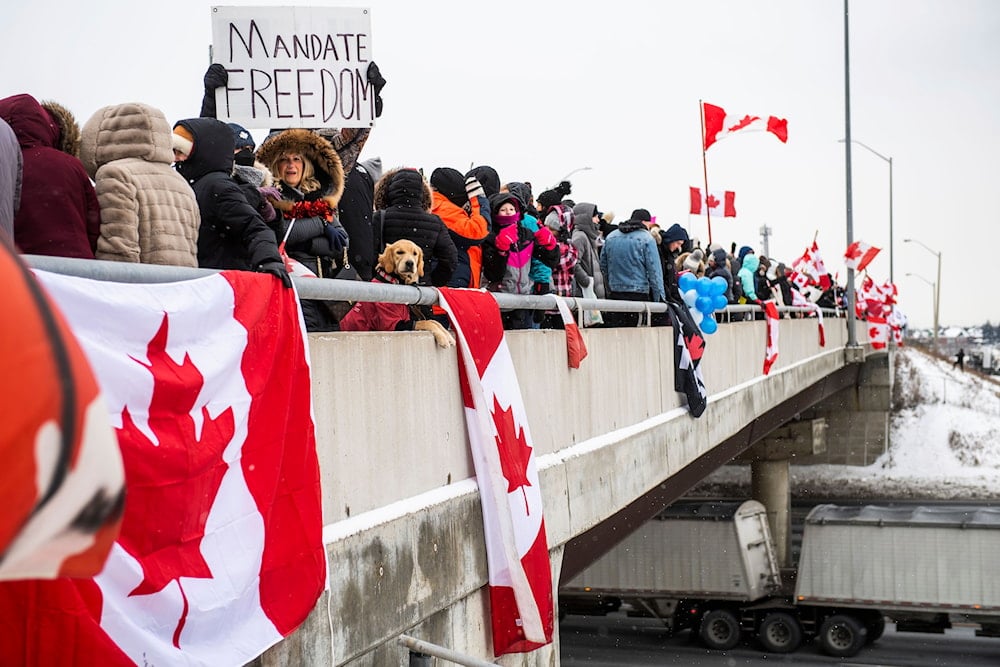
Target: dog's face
(403,258)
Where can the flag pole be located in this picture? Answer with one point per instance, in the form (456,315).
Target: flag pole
(704,168)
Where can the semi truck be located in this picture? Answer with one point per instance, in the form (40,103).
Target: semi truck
(710,567)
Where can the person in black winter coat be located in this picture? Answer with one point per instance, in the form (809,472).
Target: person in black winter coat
(232,233)
(403,202)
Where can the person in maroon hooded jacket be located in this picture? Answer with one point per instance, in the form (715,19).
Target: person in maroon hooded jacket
(59,214)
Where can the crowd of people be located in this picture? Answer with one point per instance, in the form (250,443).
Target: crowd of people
(130,187)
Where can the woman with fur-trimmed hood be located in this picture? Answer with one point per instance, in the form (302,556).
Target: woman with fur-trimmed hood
(403,201)
(310,176)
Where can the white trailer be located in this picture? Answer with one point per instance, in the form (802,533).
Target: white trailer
(921,566)
(711,567)
(692,566)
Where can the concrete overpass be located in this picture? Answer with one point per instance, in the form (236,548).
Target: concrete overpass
(614,446)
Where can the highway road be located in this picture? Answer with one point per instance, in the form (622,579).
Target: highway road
(616,640)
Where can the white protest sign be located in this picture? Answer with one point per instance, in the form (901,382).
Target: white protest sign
(294,66)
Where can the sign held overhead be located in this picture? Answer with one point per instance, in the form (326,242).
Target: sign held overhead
(294,66)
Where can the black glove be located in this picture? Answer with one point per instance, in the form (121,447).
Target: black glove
(377,81)
(338,238)
(276,269)
(216,76)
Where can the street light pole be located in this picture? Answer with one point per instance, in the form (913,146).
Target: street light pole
(933,296)
(889,160)
(937,288)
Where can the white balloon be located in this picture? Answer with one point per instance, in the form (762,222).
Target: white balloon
(690,297)
(697,315)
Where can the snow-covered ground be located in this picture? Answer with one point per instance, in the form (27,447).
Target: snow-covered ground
(944,435)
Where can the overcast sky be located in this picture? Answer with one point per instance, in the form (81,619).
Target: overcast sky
(539,89)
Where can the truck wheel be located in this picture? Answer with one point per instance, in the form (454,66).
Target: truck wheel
(841,636)
(875,626)
(780,633)
(720,630)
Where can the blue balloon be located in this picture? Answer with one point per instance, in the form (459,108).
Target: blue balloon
(704,304)
(704,286)
(709,325)
(686,281)
(719,301)
(720,285)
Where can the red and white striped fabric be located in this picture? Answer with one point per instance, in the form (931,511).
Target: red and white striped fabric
(799,299)
(718,203)
(719,124)
(520,576)
(878,332)
(859,254)
(771,316)
(220,553)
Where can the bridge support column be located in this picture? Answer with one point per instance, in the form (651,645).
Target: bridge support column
(769,486)
(769,475)
(858,416)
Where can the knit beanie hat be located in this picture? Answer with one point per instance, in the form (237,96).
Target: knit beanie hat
(451,184)
(674,233)
(693,261)
(641,215)
(182,140)
(744,251)
(720,256)
(242,137)
(555,195)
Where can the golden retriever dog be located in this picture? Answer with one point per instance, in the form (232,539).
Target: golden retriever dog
(402,262)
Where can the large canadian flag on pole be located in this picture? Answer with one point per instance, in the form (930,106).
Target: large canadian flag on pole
(718,203)
(220,553)
(517,552)
(719,124)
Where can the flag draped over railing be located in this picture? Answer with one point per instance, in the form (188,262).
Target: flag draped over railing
(220,553)
(517,553)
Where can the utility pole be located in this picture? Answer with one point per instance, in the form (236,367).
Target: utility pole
(765,234)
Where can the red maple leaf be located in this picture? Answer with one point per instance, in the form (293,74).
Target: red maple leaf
(712,201)
(171,484)
(695,345)
(514,451)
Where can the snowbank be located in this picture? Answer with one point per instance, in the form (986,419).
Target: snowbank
(944,443)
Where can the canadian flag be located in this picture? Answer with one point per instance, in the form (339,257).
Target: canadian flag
(220,553)
(859,254)
(517,553)
(771,317)
(897,322)
(809,270)
(576,348)
(800,300)
(719,124)
(878,332)
(717,203)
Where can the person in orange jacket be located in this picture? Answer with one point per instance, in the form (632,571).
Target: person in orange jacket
(462,205)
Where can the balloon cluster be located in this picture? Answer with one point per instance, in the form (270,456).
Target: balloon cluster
(703,296)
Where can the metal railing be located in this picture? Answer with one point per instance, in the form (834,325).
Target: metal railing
(333,289)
